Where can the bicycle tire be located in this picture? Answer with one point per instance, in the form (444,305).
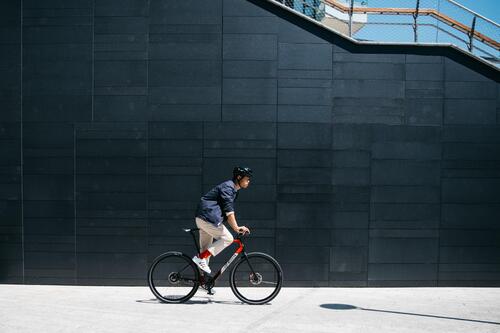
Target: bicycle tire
(185,262)
(249,258)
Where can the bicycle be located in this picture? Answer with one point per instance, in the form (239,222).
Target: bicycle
(256,278)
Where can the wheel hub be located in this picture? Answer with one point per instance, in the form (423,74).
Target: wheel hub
(174,278)
(255,279)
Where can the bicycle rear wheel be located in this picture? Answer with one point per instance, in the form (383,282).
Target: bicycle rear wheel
(173,277)
(256,278)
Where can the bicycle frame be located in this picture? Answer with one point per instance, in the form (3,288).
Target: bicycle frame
(240,249)
(235,254)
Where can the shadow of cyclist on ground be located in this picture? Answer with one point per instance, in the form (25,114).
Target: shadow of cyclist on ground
(333,306)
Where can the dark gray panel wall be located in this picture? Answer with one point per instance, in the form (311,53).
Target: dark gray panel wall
(374,166)
(57,92)
(11,229)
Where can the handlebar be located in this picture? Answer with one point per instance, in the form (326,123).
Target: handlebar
(242,234)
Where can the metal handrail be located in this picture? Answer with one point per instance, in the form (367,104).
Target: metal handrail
(437,28)
(410,11)
(474,13)
(318,10)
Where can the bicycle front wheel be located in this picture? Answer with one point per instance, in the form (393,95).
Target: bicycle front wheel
(256,278)
(173,277)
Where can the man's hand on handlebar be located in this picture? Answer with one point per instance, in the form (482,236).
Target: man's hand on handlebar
(243,230)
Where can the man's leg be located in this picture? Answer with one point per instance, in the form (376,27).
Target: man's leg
(205,240)
(223,236)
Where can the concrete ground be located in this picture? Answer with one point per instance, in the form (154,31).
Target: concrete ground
(30,308)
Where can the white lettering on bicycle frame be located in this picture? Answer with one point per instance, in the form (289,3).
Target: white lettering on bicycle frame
(228,263)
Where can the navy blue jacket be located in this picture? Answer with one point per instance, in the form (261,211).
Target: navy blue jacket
(217,202)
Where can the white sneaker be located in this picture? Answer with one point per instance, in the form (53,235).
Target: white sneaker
(202,264)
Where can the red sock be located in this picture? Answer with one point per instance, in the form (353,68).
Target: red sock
(205,254)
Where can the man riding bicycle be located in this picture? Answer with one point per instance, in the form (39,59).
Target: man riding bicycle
(215,207)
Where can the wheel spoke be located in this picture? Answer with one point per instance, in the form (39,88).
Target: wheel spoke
(269,282)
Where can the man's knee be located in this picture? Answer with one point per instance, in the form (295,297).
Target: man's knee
(228,238)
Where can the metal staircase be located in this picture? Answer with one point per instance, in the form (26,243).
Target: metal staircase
(406,22)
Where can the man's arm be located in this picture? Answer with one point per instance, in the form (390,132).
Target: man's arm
(231,219)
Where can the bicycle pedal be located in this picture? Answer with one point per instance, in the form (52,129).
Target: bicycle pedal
(211,292)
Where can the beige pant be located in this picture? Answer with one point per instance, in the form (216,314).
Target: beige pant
(208,232)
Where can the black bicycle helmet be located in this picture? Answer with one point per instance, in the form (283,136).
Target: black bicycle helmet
(242,171)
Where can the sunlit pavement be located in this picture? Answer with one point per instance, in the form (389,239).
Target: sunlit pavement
(29,308)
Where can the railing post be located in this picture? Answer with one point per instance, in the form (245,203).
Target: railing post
(316,7)
(471,34)
(415,26)
(351,7)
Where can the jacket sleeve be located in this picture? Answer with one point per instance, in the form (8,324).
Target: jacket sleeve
(227,199)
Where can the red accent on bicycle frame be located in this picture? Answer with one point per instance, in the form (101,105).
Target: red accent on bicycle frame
(241,245)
